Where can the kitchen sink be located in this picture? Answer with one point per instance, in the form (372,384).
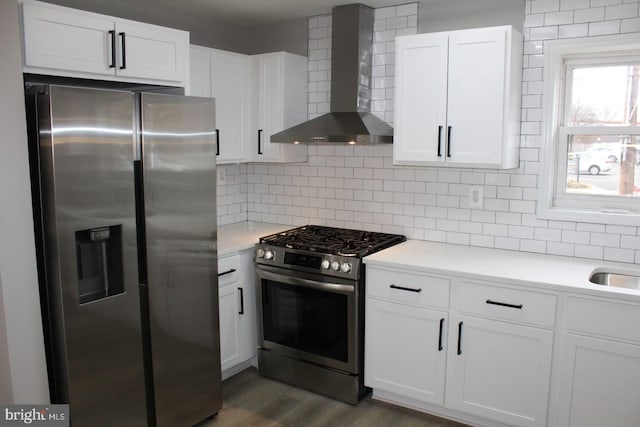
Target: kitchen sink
(617,280)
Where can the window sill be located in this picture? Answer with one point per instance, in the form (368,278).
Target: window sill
(590,216)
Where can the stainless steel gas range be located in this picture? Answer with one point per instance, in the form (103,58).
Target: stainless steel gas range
(310,296)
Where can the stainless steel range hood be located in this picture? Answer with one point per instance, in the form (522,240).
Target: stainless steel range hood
(350,120)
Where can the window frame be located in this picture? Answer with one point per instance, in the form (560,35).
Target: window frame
(554,202)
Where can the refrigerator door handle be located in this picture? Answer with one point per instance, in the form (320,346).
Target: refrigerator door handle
(143,282)
(140,223)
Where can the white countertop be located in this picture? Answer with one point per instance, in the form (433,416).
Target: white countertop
(243,235)
(518,268)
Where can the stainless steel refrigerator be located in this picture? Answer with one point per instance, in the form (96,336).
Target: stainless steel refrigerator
(124,191)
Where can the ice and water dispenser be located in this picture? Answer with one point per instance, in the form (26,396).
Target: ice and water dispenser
(99,259)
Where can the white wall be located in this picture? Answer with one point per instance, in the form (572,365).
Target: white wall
(6,388)
(287,36)
(447,15)
(359,187)
(21,343)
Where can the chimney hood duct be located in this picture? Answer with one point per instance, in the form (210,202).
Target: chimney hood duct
(350,120)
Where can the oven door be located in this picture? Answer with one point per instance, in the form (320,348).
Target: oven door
(309,317)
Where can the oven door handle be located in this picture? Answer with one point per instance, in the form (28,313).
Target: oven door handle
(306,283)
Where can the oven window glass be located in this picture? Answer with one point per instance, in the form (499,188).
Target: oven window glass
(306,319)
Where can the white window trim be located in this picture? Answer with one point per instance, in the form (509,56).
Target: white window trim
(555,52)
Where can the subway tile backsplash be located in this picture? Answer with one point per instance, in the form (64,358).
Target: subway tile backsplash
(358,186)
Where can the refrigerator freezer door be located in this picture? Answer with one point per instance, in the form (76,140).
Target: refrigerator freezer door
(179,160)
(86,150)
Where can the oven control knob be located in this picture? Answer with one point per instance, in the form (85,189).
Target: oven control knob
(345,267)
(260,253)
(269,254)
(335,266)
(326,264)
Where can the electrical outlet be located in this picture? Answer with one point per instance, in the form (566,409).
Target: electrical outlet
(475,196)
(222,176)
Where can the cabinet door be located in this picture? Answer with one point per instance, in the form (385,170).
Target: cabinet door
(476,99)
(600,383)
(421,99)
(499,371)
(65,39)
(151,52)
(270,106)
(230,334)
(404,350)
(248,325)
(229,86)
(281,102)
(200,72)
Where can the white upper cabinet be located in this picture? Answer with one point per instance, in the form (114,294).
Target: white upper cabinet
(224,76)
(421,98)
(66,39)
(256,96)
(458,98)
(200,71)
(280,101)
(151,52)
(69,42)
(230,88)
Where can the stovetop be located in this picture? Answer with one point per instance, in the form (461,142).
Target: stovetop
(322,250)
(333,241)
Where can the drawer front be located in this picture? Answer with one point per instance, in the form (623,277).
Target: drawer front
(507,304)
(228,270)
(419,289)
(608,319)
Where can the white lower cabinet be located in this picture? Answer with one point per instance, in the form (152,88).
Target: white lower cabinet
(499,370)
(490,348)
(600,383)
(236,298)
(599,373)
(405,349)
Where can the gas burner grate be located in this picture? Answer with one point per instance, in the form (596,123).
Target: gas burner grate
(333,241)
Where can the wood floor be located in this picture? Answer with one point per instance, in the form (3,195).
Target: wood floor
(251,400)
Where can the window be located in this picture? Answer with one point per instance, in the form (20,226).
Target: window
(592,163)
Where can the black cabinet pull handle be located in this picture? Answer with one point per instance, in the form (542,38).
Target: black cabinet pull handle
(124,51)
(448,141)
(224,273)
(217,142)
(259,138)
(439,141)
(402,288)
(241,301)
(112,33)
(460,338)
(440,336)
(504,304)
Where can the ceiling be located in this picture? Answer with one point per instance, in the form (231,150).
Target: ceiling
(247,13)
(260,12)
